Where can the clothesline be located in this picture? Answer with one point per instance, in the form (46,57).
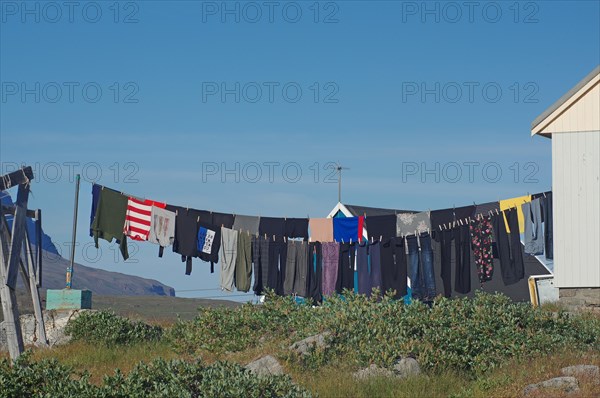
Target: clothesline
(441,226)
(335,247)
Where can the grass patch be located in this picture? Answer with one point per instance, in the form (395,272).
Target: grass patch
(100,360)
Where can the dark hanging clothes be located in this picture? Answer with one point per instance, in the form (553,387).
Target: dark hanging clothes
(548,227)
(441,217)
(272,226)
(510,250)
(420,267)
(444,238)
(243,263)
(381,227)
(462,213)
(462,248)
(186,234)
(296,268)
(393,266)
(260,258)
(296,228)
(368,264)
(485,208)
(315,271)
(209,243)
(482,235)
(362,267)
(95,197)
(223,220)
(110,218)
(276,265)
(331,256)
(345,279)
(375,264)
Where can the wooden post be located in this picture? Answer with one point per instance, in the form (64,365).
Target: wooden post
(35,294)
(14,338)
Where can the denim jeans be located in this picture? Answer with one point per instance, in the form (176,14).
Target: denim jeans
(420,267)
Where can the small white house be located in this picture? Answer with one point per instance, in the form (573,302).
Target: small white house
(573,124)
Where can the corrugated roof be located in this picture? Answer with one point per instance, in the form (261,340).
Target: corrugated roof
(565,97)
(374,211)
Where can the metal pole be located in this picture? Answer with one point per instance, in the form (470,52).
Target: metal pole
(340,185)
(70,269)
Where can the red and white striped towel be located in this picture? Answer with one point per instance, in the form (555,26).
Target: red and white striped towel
(139,218)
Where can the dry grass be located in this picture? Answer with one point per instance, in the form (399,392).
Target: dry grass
(101,360)
(335,380)
(510,379)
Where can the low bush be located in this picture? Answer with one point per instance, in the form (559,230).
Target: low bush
(470,335)
(106,327)
(223,329)
(159,379)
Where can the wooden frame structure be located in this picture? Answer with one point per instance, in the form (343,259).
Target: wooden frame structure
(16,254)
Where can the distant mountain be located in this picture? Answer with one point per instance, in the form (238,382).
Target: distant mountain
(47,244)
(99,281)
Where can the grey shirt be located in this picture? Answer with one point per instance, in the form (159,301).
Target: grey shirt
(246,223)
(162,227)
(409,224)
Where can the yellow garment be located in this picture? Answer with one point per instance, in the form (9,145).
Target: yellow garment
(515,202)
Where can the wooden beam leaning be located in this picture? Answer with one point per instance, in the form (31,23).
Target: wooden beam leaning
(12,324)
(30,277)
(35,294)
(15,178)
(17,236)
(38,241)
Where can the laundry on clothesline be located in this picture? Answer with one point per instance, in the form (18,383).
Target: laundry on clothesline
(317,257)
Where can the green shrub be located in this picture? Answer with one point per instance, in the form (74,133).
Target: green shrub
(470,335)
(108,328)
(159,379)
(222,329)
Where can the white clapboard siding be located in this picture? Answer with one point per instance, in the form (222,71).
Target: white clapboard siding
(576,197)
(583,115)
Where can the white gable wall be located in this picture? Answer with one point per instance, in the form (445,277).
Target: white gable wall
(576,206)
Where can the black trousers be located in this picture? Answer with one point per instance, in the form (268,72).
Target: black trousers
(445,239)
(548,227)
(462,248)
(276,266)
(315,272)
(510,249)
(393,267)
(345,278)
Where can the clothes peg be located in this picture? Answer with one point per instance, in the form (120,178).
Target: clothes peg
(198,219)
(350,240)
(371,239)
(273,238)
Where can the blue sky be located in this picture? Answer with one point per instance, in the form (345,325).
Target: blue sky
(160,99)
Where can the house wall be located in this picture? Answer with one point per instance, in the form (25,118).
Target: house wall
(583,115)
(576,208)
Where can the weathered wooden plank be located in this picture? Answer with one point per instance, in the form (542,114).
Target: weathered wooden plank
(12,324)
(39,253)
(35,294)
(17,235)
(16,177)
(14,254)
